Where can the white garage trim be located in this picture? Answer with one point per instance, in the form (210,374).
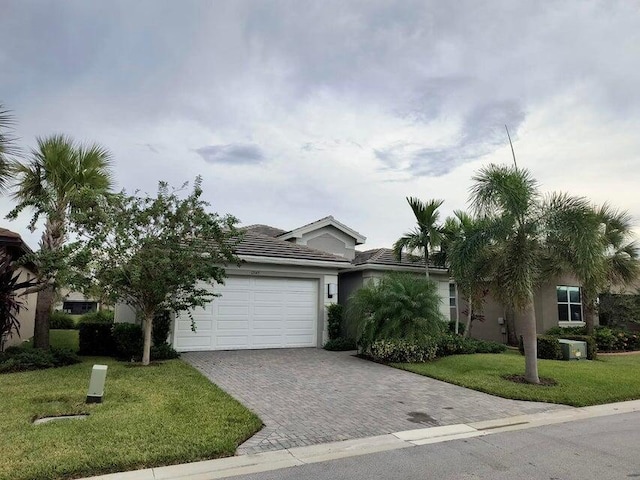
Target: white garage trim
(254,312)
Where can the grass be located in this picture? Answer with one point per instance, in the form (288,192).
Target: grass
(581,383)
(64,339)
(158,415)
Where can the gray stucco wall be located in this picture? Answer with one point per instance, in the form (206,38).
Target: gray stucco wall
(331,240)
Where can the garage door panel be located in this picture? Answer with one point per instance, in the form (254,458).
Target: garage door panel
(254,312)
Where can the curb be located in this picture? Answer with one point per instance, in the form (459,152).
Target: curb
(263,462)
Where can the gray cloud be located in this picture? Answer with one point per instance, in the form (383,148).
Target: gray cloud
(231,154)
(482,132)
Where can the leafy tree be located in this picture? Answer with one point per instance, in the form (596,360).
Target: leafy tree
(528,238)
(50,183)
(10,302)
(426,235)
(399,306)
(156,253)
(619,260)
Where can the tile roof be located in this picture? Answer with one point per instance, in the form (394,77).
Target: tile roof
(9,234)
(265,230)
(259,244)
(385,256)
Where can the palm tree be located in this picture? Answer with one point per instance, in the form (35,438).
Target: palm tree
(427,233)
(50,183)
(619,257)
(7,148)
(465,244)
(527,237)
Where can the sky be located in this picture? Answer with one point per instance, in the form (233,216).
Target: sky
(295,110)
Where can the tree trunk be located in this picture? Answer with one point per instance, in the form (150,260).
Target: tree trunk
(146,351)
(426,264)
(589,315)
(530,342)
(467,330)
(44,303)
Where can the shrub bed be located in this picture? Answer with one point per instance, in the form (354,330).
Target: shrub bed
(340,344)
(20,359)
(101,316)
(402,351)
(548,347)
(61,321)
(616,340)
(457,345)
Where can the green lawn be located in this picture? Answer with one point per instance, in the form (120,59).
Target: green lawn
(580,383)
(157,415)
(64,339)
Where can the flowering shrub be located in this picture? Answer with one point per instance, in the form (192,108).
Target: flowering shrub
(402,351)
(616,340)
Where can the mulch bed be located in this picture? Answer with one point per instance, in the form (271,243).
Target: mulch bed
(544,381)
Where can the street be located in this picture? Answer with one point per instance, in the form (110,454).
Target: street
(599,448)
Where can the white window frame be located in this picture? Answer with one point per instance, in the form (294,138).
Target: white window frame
(568,303)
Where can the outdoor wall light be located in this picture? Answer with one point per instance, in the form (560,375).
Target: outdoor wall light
(332,289)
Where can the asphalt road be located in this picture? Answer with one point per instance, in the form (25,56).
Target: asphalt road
(598,448)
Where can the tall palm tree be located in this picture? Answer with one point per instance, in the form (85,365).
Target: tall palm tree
(465,242)
(7,148)
(619,258)
(50,183)
(528,237)
(426,235)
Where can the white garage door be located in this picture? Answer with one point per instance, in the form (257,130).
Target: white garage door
(253,312)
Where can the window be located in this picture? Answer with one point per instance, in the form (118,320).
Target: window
(569,304)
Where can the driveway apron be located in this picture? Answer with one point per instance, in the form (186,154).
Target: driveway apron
(309,396)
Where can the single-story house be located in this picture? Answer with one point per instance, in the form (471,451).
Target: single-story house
(75,303)
(277,297)
(12,244)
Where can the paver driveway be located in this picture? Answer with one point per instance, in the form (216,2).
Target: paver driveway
(308,396)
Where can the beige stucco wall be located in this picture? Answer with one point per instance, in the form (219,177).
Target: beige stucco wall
(546,308)
(331,240)
(27,314)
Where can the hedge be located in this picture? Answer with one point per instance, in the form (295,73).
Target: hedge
(548,347)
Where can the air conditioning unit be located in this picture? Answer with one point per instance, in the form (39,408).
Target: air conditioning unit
(573,349)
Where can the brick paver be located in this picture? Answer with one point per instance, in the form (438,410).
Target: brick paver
(309,396)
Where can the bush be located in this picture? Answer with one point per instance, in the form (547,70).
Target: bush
(61,321)
(399,307)
(562,331)
(96,339)
(101,316)
(402,351)
(616,339)
(334,321)
(161,328)
(548,347)
(163,351)
(592,346)
(452,327)
(128,341)
(340,344)
(456,345)
(21,359)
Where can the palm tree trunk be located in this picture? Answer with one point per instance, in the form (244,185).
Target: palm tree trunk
(44,303)
(467,330)
(530,342)
(146,351)
(426,263)
(589,315)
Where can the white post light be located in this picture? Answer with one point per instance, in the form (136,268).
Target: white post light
(96,384)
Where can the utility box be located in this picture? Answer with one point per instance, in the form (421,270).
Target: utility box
(573,349)
(96,384)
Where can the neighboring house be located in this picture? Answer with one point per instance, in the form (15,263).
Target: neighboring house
(12,243)
(75,303)
(277,297)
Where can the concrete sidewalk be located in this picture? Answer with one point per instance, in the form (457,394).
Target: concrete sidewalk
(262,462)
